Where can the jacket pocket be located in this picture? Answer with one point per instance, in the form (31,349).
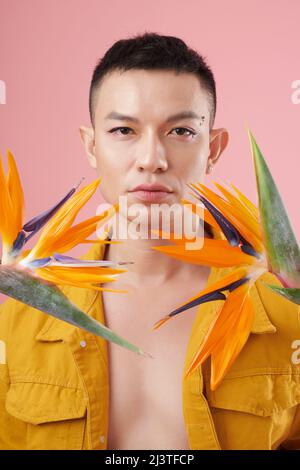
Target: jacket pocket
(55,415)
(254,412)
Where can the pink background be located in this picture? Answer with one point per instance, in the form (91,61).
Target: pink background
(49,49)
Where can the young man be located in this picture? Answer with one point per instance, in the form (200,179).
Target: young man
(152,105)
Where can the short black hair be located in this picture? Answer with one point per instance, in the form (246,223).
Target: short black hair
(152,51)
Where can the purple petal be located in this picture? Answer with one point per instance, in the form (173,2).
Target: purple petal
(19,241)
(235,284)
(210,297)
(40,220)
(63,260)
(216,295)
(230,232)
(39,263)
(249,250)
(232,235)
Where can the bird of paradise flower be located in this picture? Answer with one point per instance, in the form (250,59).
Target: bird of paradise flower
(33,276)
(252,242)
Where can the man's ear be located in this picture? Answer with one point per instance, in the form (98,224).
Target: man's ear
(87,135)
(218,140)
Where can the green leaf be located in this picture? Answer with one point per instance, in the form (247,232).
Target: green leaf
(281,244)
(291,294)
(48,298)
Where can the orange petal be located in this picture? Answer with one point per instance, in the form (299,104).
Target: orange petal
(86,273)
(231,345)
(78,233)
(226,280)
(16,195)
(216,253)
(247,226)
(57,276)
(202,212)
(249,204)
(6,210)
(237,202)
(221,329)
(243,221)
(62,221)
(159,323)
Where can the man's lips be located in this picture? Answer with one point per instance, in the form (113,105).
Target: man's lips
(151,192)
(152,187)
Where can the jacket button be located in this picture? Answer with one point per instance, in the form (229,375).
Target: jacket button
(102,439)
(83,344)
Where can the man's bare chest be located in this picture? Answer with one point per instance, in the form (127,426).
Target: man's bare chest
(146,393)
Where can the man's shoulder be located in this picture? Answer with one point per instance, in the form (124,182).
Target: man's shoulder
(19,320)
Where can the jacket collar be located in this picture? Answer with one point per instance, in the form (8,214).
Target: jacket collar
(56,330)
(261,323)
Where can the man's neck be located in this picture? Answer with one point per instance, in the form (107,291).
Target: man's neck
(149,267)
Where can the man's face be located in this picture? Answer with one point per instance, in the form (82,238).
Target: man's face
(149,148)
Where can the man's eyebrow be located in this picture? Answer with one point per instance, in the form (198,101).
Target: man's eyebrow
(175,117)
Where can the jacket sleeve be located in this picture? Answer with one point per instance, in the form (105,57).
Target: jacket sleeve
(12,430)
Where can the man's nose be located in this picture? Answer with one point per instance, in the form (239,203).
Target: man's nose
(152,155)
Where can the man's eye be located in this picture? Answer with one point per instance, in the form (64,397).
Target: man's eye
(121,129)
(126,131)
(183,130)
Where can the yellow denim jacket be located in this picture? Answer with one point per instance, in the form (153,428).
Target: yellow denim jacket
(54,379)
